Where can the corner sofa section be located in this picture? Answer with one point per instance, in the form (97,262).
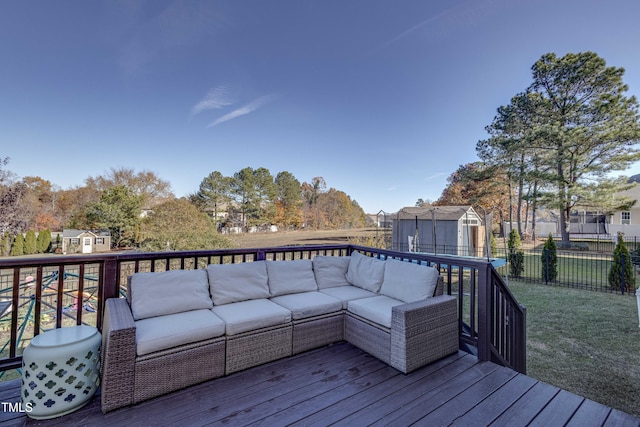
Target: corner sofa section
(181,327)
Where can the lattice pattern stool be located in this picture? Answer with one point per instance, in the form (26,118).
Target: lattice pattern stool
(60,371)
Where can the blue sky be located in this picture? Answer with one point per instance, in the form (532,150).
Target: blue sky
(383,99)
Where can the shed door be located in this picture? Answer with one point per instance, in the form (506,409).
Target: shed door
(86,245)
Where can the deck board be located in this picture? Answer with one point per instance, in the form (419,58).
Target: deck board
(341,385)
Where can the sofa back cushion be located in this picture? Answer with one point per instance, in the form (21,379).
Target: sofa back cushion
(407,281)
(331,271)
(291,277)
(168,292)
(365,272)
(238,282)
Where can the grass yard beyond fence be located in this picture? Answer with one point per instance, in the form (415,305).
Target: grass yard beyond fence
(585,342)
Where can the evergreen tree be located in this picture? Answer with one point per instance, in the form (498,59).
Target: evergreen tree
(516,254)
(5,244)
(213,196)
(118,210)
(30,246)
(565,135)
(621,271)
(43,241)
(549,260)
(18,245)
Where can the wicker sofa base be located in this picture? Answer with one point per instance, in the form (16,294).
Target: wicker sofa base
(257,347)
(317,332)
(368,336)
(170,370)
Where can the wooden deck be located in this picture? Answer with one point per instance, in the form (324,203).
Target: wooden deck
(341,385)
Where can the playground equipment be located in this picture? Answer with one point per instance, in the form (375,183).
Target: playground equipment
(75,300)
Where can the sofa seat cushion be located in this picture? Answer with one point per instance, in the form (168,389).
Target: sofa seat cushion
(331,271)
(348,293)
(308,304)
(407,281)
(290,277)
(238,282)
(375,309)
(168,292)
(250,315)
(365,272)
(164,332)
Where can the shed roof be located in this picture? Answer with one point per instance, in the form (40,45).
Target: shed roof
(71,233)
(442,213)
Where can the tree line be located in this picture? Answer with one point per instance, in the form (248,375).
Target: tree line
(140,210)
(555,145)
(255,198)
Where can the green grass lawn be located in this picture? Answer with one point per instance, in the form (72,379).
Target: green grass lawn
(583,341)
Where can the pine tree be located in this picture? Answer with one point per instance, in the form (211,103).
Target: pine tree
(621,271)
(18,245)
(549,260)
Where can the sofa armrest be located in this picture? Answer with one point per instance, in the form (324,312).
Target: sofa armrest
(423,331)
(118,355)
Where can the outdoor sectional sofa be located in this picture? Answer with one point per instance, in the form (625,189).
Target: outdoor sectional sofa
(181,327)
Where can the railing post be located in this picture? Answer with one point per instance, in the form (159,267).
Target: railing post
(110,286)
(485,310)
(522,349)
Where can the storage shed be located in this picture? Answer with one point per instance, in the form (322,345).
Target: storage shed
(85,241)
(452,230)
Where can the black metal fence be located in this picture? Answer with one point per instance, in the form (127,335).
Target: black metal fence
(576,269)
(586,265)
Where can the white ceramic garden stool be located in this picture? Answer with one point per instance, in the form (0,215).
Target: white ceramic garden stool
(60,371)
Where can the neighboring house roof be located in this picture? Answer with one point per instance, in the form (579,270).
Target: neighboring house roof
(71,233)
(634,178)
(442,213)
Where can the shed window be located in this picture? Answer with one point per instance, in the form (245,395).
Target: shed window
(99,240)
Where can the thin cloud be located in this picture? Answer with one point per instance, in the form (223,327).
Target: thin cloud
(216,98)
(244,110)
(464,14)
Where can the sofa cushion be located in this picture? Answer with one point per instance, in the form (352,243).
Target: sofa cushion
(407,281)
(290,277)
(308,304)
(375,309)
(331,271)
(251,315)
(238,282)
(365,272)
(169,292)
(163,332)
(348,293)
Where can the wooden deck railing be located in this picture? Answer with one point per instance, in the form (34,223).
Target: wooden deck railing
(51,292)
